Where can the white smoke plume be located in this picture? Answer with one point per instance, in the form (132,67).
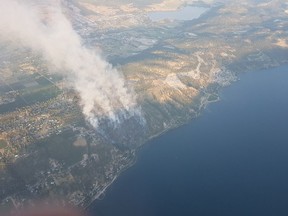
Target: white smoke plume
(101,87)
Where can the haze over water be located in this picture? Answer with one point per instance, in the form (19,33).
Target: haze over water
(232,160)
(185,13)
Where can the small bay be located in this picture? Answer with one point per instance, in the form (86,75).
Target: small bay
(182,14)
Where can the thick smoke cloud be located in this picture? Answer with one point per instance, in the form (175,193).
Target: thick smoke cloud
(101,87)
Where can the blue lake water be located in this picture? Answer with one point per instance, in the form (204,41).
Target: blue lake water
(231,161)
(185,13)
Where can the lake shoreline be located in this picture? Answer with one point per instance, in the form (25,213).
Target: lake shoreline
(170,129)
(174,131)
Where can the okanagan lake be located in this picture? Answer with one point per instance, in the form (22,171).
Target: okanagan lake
(230,161)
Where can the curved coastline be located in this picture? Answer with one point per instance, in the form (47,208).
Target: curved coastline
(169,129)
(283,66)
